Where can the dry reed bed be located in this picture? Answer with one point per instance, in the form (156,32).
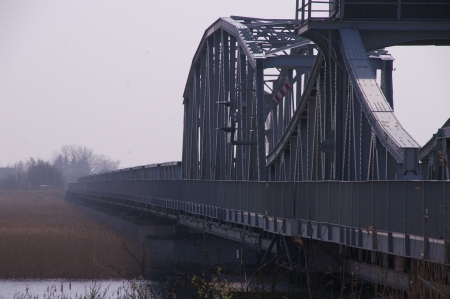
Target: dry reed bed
(44,236)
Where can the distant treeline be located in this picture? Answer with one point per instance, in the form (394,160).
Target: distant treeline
(68,164)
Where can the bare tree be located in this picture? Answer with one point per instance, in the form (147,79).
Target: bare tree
(102,163)
(76,161)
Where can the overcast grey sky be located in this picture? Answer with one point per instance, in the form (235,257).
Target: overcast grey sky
(110,75)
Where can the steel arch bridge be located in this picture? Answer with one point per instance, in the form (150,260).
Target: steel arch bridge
(289,130)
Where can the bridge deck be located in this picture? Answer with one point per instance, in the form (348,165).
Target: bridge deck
(403,218)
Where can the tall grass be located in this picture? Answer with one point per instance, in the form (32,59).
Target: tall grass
(44,236)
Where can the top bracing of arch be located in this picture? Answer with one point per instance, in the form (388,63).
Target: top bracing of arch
(258,38)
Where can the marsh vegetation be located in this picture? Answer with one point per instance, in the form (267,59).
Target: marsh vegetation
(44,236)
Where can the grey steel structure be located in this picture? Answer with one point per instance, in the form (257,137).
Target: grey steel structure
(435,153)
(288,132)
(334,122)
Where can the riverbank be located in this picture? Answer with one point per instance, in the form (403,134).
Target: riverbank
(44,236)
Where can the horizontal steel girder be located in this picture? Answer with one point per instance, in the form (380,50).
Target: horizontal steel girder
(290,61)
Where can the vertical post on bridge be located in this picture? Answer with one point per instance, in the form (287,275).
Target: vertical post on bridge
(386,81)
(260,137)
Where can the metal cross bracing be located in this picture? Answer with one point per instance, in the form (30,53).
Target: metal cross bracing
(228,91)
(344,127)
(262,103)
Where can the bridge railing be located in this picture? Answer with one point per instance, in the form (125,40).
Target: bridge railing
(373,9)
(160,171)
(419,208)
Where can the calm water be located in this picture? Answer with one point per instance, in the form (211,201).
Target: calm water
(56,288)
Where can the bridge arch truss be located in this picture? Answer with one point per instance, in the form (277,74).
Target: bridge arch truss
(263,103)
